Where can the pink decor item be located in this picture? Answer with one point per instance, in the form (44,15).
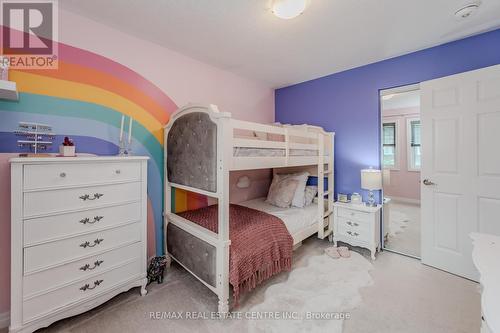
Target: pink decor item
(332,252)
(67,148)
(344,252)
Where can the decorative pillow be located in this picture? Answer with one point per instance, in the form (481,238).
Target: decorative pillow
(298,198)
(281,191)
(309,194)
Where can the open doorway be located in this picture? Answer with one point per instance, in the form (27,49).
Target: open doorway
(401,162)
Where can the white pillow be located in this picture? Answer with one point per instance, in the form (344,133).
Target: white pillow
(301,177)
(298,195)
(298,198)
(309,194)
(281,191)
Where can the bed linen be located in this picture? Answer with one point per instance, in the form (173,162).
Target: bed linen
(261,245)
(294,218)
(271,152)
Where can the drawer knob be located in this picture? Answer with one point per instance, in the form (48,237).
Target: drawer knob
(86,267)
(118,171)
(353,233)
(88,244)
(62,174)
(86,197)
(87,220)
(86,286)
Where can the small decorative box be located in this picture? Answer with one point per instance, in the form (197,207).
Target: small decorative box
(342,197)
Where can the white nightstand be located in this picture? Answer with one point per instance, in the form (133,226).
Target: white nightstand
(357,225)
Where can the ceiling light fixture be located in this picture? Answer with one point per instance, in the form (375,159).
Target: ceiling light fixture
(288,9)
(467,10)
(388,97)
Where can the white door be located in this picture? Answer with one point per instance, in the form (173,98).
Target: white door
(460,173)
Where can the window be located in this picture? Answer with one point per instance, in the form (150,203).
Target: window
(389,145)
(414,149)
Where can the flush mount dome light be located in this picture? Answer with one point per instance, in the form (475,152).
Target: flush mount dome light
(288,9)
(467,10)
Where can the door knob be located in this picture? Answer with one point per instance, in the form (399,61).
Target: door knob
(428,182)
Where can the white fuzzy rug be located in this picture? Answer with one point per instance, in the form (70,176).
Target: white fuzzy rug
(324,285)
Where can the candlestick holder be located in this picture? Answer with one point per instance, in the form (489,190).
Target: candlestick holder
(124,148)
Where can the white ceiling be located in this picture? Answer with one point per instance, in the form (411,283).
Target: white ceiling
(402,100)
(244,37)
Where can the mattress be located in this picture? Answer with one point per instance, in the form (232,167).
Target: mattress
(295,218)
(271,152)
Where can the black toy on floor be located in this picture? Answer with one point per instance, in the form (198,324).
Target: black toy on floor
(156,269)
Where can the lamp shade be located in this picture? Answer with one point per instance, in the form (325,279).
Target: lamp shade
(371,179)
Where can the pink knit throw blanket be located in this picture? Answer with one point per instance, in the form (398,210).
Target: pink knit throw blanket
(261,246)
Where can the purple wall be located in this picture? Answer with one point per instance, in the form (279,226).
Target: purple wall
(347,102)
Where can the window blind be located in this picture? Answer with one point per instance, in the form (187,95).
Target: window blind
(415,133)
(389,134)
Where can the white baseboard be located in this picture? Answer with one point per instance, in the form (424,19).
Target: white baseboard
(405,200)
(4,319)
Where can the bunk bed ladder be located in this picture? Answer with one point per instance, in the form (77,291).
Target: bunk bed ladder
(331,186)
(326,215)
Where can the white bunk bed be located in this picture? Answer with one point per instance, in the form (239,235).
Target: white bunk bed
(204,168)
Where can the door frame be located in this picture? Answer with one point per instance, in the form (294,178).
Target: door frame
(382,92)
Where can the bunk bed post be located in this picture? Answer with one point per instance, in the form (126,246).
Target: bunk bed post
(224,135)
(167,203)
(331,184)
(287,146)
(321,185)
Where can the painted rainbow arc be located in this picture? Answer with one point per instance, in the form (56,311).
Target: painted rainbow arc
(86,96)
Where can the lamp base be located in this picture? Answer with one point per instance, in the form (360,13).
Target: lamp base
(371,200)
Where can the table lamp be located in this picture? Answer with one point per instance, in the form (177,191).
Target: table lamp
(371,180)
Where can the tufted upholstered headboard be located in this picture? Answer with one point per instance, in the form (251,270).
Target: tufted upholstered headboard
(192,152)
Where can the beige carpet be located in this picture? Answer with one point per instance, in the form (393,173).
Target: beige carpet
(406,297)
(318,285)
(404,235)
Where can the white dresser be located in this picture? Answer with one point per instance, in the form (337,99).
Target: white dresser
(357,225)
(485,255)
(78,235)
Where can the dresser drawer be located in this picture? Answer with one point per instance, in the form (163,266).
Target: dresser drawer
(38,176)
(76,248)
(355,225)
(359,235)
(354,214)
(67,225)
(52,278)
(38,306)
(54,201)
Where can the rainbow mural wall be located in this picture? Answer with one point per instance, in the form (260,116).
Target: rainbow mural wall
(85,99)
